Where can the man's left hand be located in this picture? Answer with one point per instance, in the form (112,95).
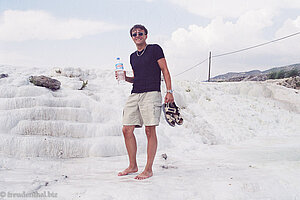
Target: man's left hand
(169,98)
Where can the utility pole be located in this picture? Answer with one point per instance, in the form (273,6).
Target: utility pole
(209,65)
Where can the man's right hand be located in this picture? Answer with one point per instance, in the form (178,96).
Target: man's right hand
(116,74)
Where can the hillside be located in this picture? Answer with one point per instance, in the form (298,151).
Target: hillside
(255,75)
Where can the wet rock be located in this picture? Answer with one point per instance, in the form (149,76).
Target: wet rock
(168,167)
(164,167)
(164,155)
(3,75)
(45,81)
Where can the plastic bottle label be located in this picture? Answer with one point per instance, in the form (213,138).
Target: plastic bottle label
(119,66)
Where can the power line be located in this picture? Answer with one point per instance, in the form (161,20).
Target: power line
(237,51)
(191,68)
(252,47)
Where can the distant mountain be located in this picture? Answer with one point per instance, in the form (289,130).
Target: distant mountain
(253,75)
(285,68)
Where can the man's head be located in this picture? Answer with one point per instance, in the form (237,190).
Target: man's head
(136,27)
(138,34)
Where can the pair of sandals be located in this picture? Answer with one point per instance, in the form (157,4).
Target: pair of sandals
(172,114)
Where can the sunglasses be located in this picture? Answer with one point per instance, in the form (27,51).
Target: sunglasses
(139,33)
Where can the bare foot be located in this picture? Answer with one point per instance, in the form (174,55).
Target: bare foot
(127,171)
(144,175)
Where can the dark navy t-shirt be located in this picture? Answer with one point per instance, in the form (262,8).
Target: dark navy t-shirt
(147,73)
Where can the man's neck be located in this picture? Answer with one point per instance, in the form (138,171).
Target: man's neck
(140,47)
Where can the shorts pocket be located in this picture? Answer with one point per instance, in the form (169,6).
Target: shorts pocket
(157,109)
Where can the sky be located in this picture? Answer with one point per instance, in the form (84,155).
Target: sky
(92,33)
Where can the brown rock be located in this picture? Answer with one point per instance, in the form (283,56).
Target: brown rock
(45,81)
(292,82)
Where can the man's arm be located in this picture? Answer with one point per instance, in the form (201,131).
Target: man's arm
(127,78)
(164,68)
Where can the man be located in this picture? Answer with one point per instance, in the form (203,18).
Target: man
(144,104)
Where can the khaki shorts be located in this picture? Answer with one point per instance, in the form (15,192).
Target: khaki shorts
(142,108)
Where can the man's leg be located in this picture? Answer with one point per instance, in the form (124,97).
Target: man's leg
(151,151)
(131,147)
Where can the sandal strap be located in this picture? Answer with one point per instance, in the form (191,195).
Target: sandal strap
(170,113)
(170,109)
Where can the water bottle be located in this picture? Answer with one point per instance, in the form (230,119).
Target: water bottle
(120,71)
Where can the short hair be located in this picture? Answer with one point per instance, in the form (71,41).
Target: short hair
(140,27)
